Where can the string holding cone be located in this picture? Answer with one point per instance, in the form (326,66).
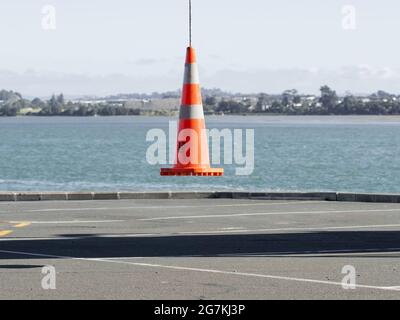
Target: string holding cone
(192,156)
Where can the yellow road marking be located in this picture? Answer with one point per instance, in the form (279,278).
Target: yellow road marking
(5,233)
(22,224)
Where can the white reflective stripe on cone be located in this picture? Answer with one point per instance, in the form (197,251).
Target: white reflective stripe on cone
(191,74)
(192,112)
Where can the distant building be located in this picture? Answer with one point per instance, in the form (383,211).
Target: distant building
(90,101)
(154,104)
(310,98)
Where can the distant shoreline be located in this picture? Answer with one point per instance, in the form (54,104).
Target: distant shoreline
(215,102)
(249,115)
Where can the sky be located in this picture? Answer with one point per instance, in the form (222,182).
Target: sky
(102,47)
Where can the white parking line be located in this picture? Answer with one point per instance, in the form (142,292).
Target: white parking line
(71,222)
(95,236)
(213,216)
(170,207)
(210,271)
(239,230)
(244,274)
(325,253)
(211,232)
(291,254)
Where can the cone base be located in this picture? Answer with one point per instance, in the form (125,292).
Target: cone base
(199,172)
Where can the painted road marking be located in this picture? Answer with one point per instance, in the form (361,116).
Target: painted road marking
(266,214)
(244,274)
(172,207)
(200,270)
(70,222)
(305,253)
(233,231)
(21,224)
(83,237)
(4,233)
(291,254)
(239,230)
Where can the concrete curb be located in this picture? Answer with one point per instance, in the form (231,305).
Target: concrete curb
(369,197)
(85,196)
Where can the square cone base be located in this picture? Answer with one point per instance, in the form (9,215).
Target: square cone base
(198,172)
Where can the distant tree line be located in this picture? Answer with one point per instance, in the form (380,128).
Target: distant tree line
(215,101)
(291,102)
(12,104)
(57,106)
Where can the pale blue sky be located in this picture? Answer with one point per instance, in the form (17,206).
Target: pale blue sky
(105,47)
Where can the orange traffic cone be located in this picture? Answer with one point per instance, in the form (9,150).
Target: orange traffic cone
(192,158)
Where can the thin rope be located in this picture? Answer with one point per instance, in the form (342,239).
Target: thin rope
(190,23)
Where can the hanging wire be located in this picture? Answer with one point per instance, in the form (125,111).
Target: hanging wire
(190,23)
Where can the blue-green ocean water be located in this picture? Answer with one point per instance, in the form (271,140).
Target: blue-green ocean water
(291,153)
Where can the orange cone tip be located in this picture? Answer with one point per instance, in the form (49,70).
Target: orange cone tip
(192,156)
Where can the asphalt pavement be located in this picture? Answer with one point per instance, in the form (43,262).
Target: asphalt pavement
(199,249)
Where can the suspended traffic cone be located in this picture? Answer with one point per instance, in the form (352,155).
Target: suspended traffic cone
(192,157)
